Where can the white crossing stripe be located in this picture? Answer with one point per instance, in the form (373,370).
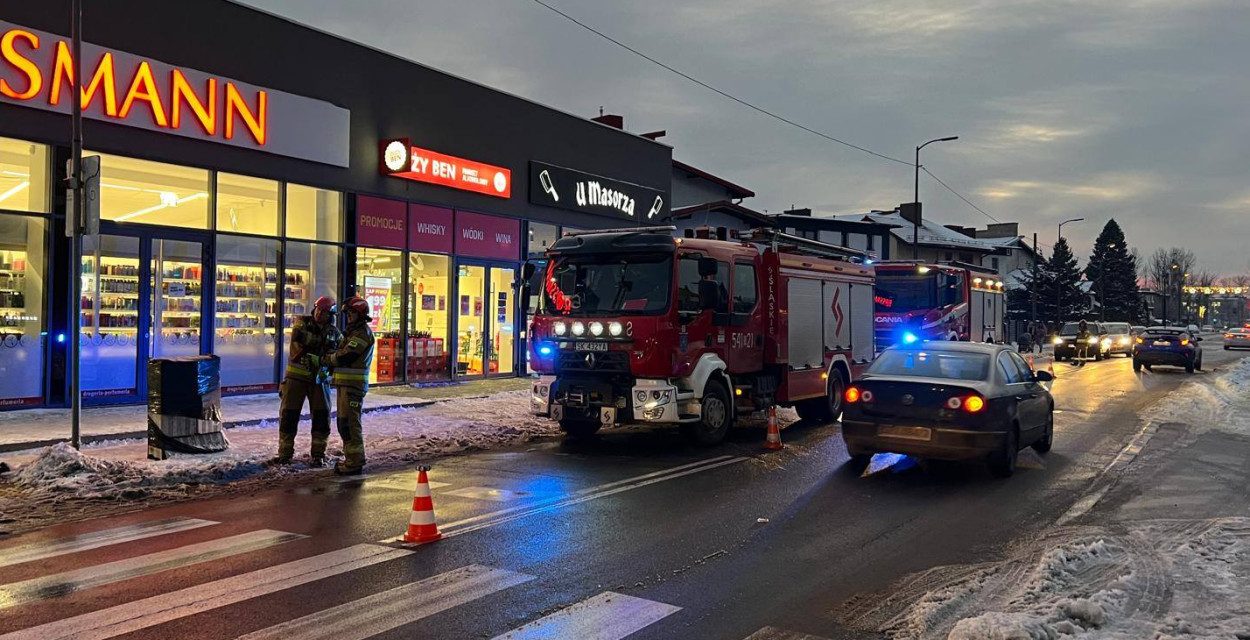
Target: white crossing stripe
(391,609)
(607,616)
(62,584)
(97,539)
(149,612)
(774,633)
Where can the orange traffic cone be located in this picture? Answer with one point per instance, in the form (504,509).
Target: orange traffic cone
(1051,369)
(421,525)
(773,442)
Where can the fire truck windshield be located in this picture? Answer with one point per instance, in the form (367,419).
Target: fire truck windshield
(901,293)
(597,285)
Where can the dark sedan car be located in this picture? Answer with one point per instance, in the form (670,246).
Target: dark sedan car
(949,401)
(1170,346)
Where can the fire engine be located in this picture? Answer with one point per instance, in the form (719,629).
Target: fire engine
(918,301)
(639,326)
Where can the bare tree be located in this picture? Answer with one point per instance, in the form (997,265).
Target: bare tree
(1158,271)
(1239,280)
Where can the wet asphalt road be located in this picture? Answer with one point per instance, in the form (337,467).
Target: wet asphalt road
(673,528)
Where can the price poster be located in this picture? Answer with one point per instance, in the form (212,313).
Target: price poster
(378,293)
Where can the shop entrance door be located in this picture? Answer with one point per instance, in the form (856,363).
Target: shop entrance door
(142,295)
(486,320)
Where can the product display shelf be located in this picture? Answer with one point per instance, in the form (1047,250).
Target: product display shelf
(13,312)
(180,286)
(295,297)
(244,300)
(110,296)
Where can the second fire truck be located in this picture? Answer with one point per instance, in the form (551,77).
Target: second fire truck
(639,326)
(917,301)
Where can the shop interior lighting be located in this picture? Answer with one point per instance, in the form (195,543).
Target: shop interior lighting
(21,186)
(163,205)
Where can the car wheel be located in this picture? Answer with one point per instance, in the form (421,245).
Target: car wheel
(578,429)
(1198,364)
(1003,461)
(715,418)
(1048,434)
(828,408)
(1098,357)
(1189,368)
(1136,365)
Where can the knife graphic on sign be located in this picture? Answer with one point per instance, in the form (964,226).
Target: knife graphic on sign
(545,179)
(655,208)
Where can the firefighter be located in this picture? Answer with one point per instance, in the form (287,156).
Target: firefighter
(350,376)
(313,338)
(1082,343)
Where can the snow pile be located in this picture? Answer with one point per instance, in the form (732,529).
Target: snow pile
(1161,579)
(120,468)
(1222,404)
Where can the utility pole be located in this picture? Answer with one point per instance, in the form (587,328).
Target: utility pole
(73,226)
(1058,289)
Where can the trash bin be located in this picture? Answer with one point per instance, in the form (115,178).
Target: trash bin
(184,406)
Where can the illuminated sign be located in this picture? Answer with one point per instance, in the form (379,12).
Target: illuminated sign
(37,71)
(883,301)
(402,160)
(587,193)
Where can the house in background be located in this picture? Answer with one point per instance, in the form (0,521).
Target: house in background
(871,237)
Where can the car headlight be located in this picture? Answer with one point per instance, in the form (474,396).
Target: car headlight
(560,328)
(1124,340)
(1093,340)
(579,329)
(615,329)
(1058,340)
(596,329)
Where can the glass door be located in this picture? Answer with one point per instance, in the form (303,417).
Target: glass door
(177,277)
(471,320)
(503,321)
(110,313)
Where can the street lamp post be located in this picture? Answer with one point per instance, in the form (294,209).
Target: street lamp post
(1059,291)
(915,233)
(1102,298)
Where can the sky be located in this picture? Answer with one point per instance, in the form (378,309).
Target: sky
(1137,110)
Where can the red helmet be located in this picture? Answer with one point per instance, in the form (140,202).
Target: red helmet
(324,308)
(358,305)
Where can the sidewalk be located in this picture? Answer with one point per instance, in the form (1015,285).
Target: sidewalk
(25,429)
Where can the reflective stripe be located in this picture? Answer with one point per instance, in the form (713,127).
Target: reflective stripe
(295,368)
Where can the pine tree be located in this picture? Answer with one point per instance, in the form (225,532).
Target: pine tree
(1042,290)
(1065,276)
(1113,272)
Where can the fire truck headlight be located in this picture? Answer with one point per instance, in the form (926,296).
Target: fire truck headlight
(596,329)
(560,328)
(615,329)
(909,338)
(579,329)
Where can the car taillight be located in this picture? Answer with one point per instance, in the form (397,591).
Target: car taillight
(1184,343)
(1140,341)
(865,395)
(852,394)
(1227,336)
(973,404)
(954,403)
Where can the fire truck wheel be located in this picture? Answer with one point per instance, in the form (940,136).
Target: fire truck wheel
(716,418)
(828,408)
(576,429)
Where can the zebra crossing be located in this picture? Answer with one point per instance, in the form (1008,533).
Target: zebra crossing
(605,615)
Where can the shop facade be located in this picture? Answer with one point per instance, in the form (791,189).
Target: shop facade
(236,189)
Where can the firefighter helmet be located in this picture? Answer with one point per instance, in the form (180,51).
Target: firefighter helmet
(324,309)
(357,305)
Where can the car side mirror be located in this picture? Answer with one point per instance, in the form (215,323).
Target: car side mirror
(1042,376)
(1198,339)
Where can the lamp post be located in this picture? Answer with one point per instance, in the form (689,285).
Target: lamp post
(915,233)
(1102,298)
(1058,290)
(1166,289)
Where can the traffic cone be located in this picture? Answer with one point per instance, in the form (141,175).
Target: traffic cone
(1030,360)
(773,442)
(421,526)
(1050,368)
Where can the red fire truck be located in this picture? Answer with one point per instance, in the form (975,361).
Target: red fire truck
(947,301)
(638,326)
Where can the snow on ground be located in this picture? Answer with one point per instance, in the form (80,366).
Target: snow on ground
(1222,404)
(1159,579)
(120,468)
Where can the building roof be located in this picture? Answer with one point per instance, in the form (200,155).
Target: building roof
(830,223)
(931,234)
(734,189)
(724,206)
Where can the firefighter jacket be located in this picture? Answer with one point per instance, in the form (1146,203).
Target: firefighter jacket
(311,344)
(350,363)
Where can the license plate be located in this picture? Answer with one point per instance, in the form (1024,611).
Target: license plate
(909,433)
(590,346)
(1161,343)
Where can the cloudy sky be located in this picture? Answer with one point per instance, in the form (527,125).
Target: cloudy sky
(1132,109)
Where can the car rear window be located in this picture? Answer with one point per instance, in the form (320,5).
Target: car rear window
(956,365)
(1071,329)
(1164,332)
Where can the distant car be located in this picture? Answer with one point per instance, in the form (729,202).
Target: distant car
(949,401)
(1117,337)
(1237,339)
(1192,329)
(1137,328)
(1066,346)
(1206,328)
(1170,346)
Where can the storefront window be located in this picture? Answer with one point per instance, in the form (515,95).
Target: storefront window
(152,192)
(503,340)
(110,316)
(247,205)
(428,287)
(379,279)
(314,214)
(24,172)
(22,286)
(471,321)
(311,271)
(541,237)
(245,318)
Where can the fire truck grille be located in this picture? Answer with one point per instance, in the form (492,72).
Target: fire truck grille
(884,338)
(593,362)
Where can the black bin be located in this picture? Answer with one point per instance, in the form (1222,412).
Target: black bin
(184,406)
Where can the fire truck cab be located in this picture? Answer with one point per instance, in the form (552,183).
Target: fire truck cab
(639,326)
(918,301)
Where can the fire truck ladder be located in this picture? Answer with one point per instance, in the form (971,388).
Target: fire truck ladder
(804,246)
